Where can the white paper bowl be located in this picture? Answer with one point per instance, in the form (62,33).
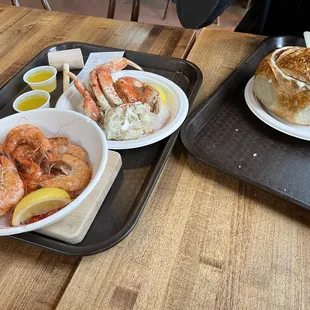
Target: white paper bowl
(176,100)
(271,119)
(81,131)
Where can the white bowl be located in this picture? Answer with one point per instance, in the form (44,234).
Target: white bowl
(82,131)
(177,103)
(271,119)
(32,93)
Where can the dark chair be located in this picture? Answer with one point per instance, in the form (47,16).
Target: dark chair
(111,10)
(217,21)
(246,4)
(166,9)
(44,3)
(134,11)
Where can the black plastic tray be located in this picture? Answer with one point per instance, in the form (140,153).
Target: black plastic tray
(225,134)
(141,167)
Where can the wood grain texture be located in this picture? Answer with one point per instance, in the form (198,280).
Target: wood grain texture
(205,239)
(31,278)
(28,31)
(228,50)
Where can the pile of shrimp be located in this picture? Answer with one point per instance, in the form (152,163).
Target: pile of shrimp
(29,161)
(103,94)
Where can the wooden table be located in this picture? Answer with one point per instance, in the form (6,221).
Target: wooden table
(205,239)
(24,32)
(250,248)
(31,278)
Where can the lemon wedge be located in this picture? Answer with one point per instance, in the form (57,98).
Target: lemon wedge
(162,94)
(38,202)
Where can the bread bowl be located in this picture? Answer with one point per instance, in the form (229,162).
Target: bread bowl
(282,83)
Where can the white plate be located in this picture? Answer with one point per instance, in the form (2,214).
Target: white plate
(176,100)
(274,121)
(81,131)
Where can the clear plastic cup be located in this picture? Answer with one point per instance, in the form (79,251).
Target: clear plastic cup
(48,84)
(32,93)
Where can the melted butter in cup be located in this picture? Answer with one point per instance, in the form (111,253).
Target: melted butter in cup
(32,100)
(42,78)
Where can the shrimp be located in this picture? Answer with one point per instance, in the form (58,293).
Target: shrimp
(11,186)
(77,152)
(27,159)
(27,134)
(76,177)
(59,145)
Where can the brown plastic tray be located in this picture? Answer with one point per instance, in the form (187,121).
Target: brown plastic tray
(141,168)
(225,134)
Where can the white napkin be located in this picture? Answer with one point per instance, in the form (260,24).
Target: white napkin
(95,59)
(307,38)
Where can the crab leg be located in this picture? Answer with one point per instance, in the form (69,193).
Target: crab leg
(91,109)
(132,90)
(118,64)
(89,105)
(106,81)
(95,86)
(107,85)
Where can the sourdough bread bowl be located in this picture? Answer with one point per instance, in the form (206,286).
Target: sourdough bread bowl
(282,83)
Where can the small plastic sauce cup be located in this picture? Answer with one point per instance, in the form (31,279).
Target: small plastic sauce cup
(32,93)
(48,84)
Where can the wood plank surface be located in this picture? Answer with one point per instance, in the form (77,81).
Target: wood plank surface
(205,239)
(25,32)
(217,53)
(31,278)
